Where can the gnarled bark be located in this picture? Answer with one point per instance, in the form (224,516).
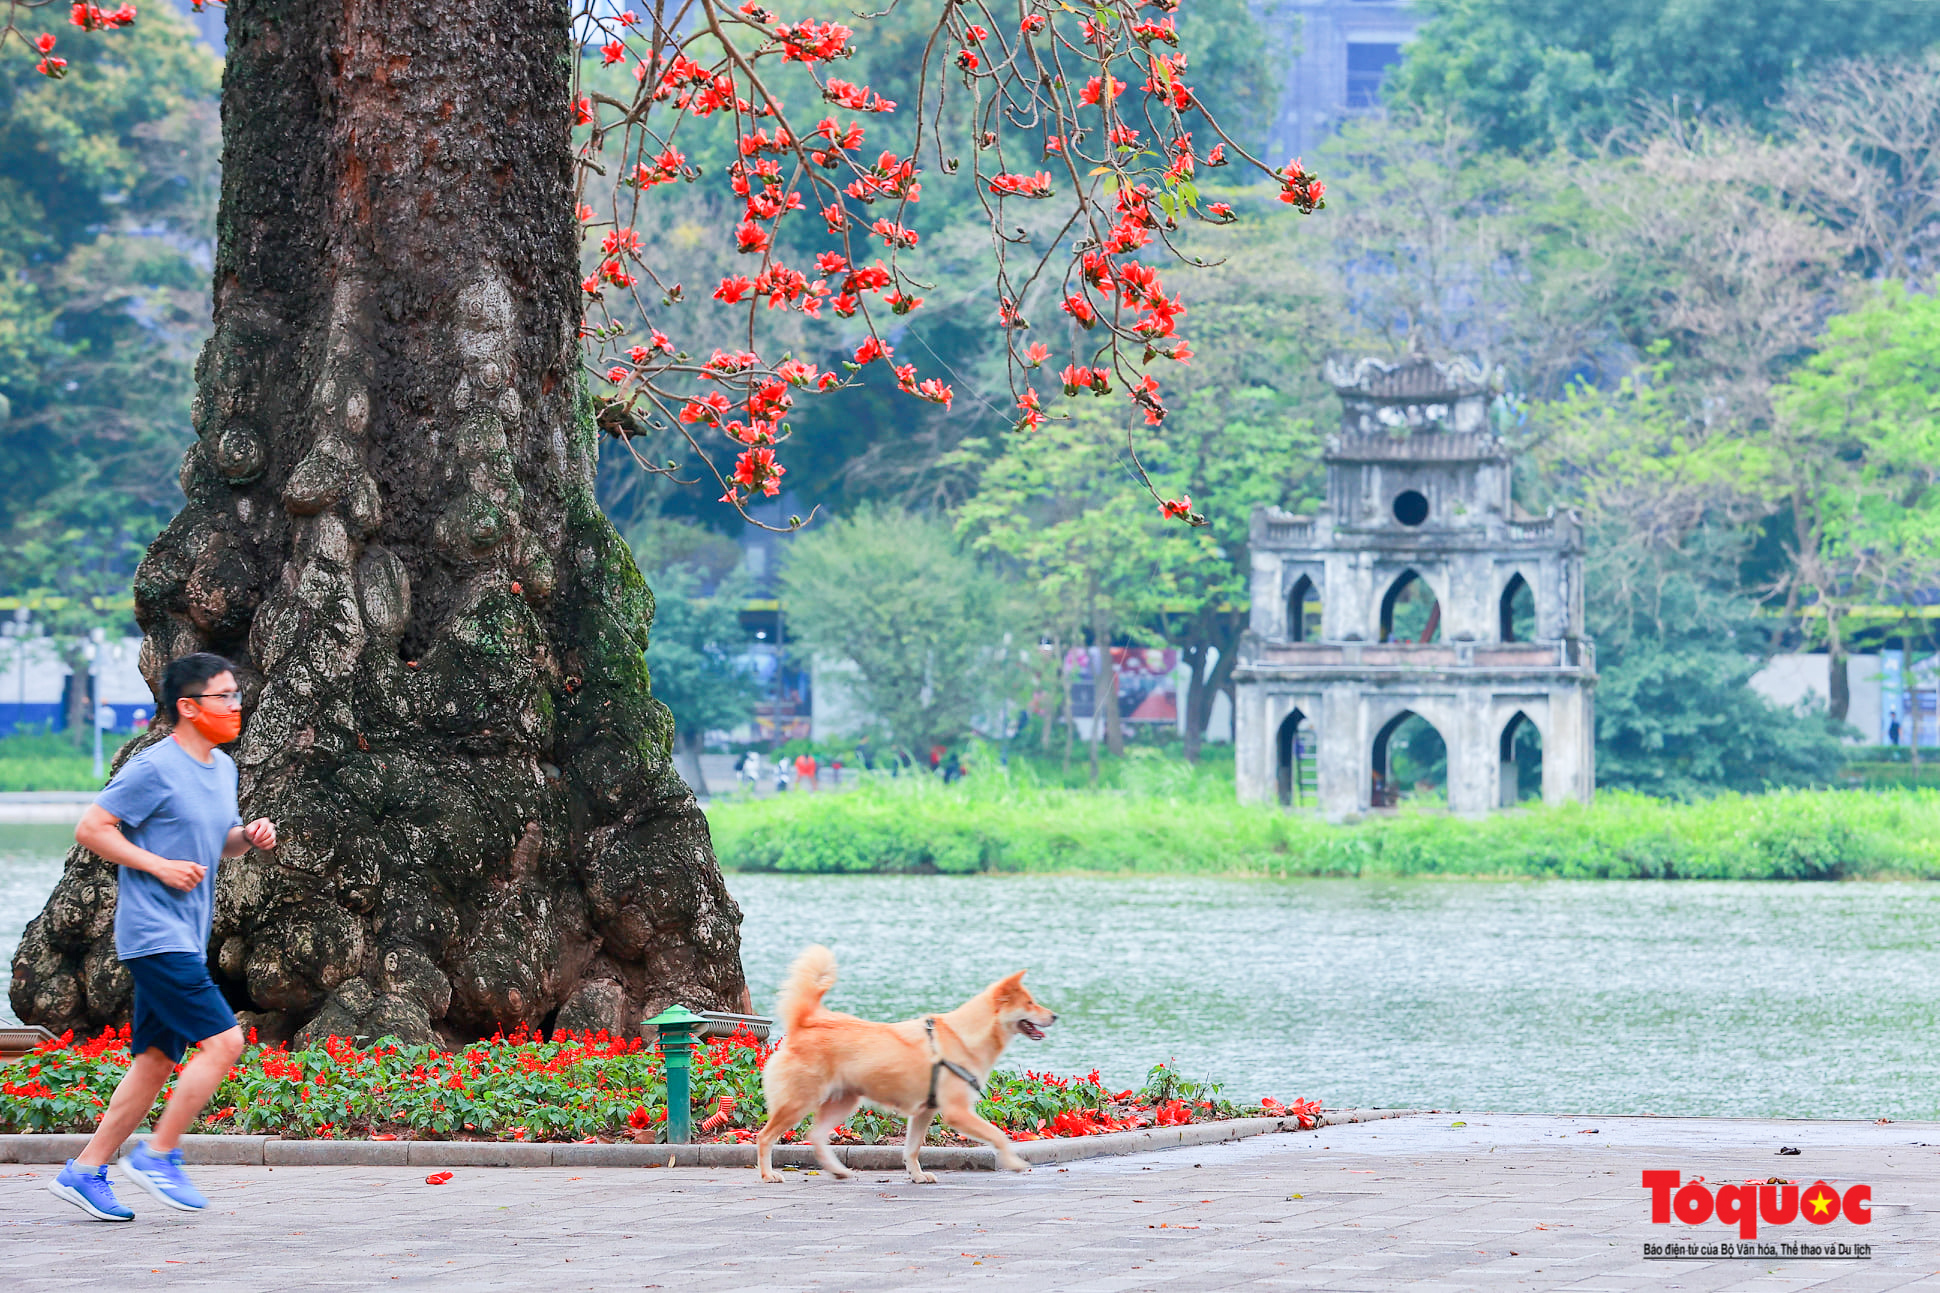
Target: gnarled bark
(391,528)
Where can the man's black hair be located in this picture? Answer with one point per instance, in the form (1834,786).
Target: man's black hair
(187,677)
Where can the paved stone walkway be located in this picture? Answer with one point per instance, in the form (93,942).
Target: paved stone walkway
(1503,1201)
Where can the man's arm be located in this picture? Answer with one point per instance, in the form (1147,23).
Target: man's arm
(259,834)
(99,833)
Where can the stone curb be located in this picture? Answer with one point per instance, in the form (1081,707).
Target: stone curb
(269,1151)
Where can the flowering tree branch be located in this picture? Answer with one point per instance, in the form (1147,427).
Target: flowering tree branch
(1043,83)
(88,17)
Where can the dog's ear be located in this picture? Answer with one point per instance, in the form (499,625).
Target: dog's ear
(1011,986)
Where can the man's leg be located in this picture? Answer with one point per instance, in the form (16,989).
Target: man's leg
(157,1165)
(214,1057)
(134,1096)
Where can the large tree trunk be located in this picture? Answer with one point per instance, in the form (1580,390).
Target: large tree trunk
(1195,655)
(1838,675)
(391,529)
(1215,639)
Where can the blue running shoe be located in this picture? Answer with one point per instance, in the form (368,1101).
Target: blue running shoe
(87,1188)
(161,1175)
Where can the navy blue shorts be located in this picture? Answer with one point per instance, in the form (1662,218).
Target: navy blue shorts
(176,1004)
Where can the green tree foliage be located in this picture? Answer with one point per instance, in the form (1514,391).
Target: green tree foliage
(696,641)
(693,656)
(1062,509)
(1533,75)
(1677,641)
(107,198)
(1675,714)
(1441,247)
(1853,465)
(893,593)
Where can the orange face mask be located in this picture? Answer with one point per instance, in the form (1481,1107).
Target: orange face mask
(220,727)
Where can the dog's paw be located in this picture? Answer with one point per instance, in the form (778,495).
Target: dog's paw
(1014,1164)
(773,1178)
(923,1178)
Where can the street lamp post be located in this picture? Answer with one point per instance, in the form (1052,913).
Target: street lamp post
(676,1026)
(781,686)
(97,639)
(15,631)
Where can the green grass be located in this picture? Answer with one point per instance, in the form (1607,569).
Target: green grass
(1191,826)
(49,761)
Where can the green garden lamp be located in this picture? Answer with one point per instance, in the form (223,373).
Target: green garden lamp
(676,1025)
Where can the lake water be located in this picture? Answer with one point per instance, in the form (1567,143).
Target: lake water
(1559,996)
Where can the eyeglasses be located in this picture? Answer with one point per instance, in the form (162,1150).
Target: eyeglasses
(230,698)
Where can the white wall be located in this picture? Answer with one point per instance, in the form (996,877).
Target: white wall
(833,709)
(1804,679)
(31,669)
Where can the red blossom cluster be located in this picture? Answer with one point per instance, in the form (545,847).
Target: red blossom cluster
(91,17)
(1022,186)
(49,65)
(1078,378)
(88,17)
(1299,189)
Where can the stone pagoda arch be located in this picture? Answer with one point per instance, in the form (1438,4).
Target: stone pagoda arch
(1418,482)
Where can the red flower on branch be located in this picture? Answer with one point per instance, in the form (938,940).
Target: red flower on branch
(1300,189)
(756,469)
(813,42)
(1023,186)
(859,99)
(1098,89)
(90,17)
(1033,412)
(893,234)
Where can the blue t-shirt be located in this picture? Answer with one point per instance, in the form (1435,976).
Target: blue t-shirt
(174,805)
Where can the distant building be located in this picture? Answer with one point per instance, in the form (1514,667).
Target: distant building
(1418,503)
(1883,691)
(1344,49)
(36,685)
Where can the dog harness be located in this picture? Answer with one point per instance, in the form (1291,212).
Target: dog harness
(938,1064)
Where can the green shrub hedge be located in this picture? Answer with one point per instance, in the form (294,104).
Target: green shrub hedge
(912,824)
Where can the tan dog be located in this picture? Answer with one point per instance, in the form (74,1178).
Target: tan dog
(829,1064)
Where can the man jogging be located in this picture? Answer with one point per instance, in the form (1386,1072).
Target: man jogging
(165,821)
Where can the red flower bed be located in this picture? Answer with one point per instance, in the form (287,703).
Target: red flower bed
(589,1087)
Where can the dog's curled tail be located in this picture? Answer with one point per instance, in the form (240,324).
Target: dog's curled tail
(812,975)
